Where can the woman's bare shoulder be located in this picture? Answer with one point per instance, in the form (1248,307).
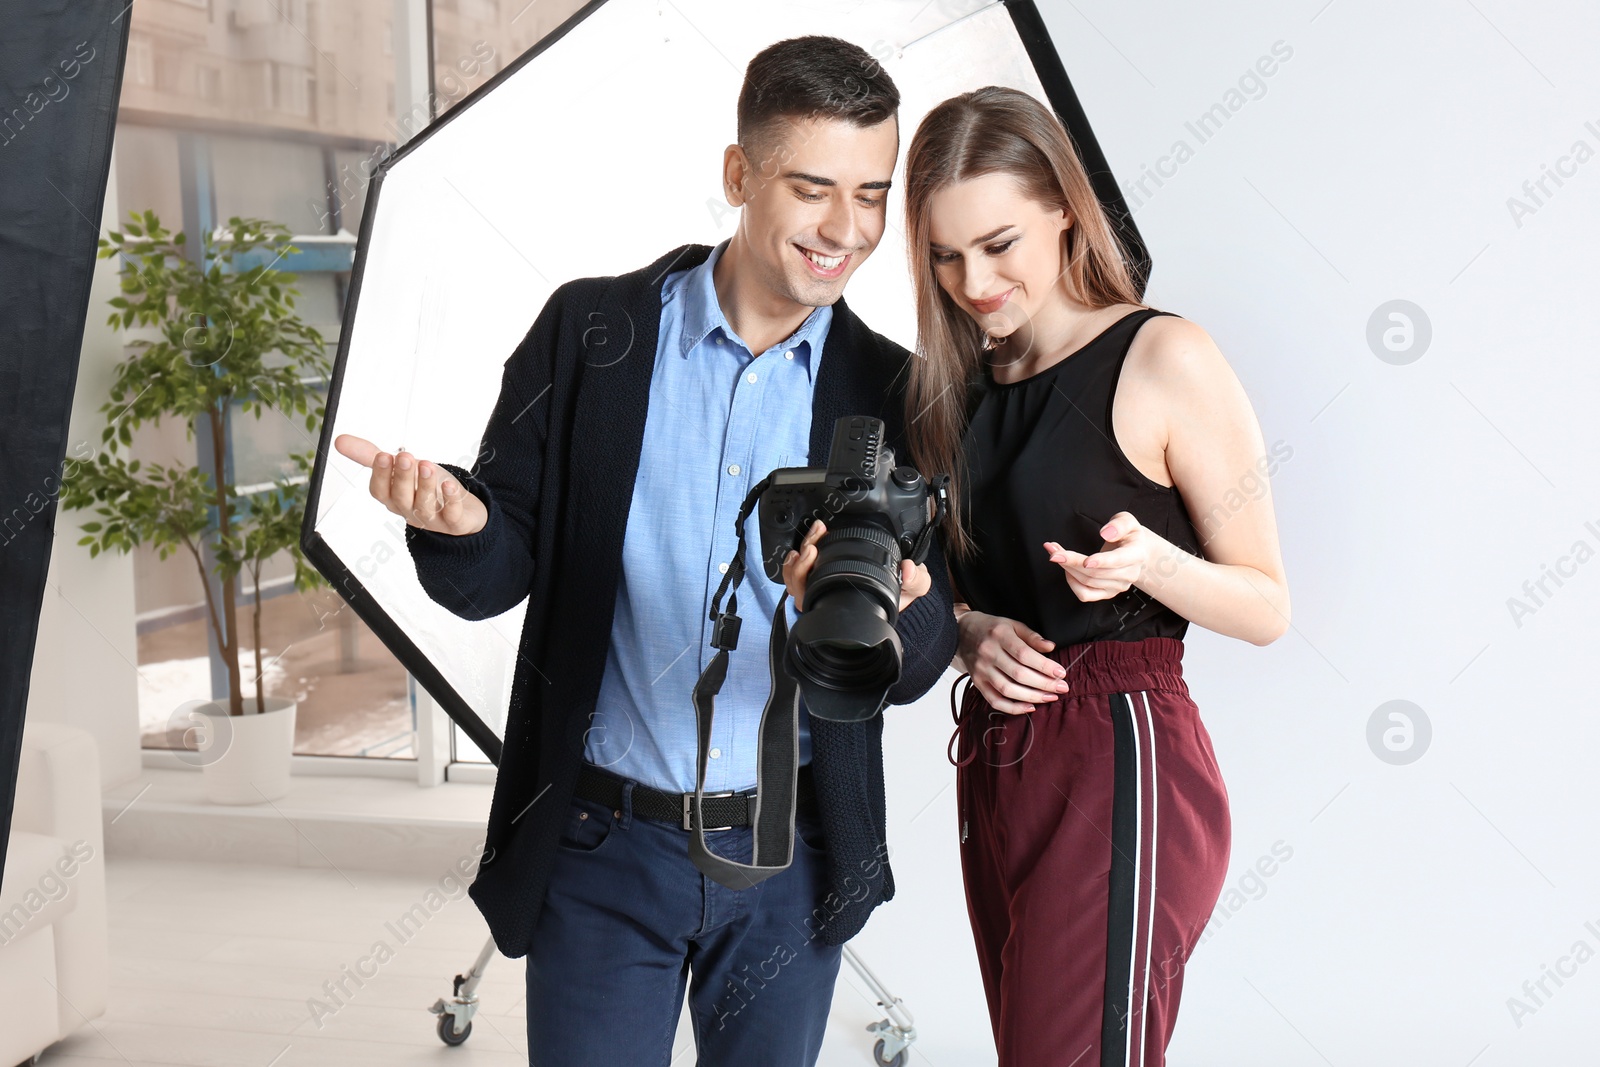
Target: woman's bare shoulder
(1170,351)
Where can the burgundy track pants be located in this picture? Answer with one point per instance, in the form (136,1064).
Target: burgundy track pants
(1095,838)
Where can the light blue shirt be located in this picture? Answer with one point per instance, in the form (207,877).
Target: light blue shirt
(719,421)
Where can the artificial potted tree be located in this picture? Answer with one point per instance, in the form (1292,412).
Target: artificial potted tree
(225,335)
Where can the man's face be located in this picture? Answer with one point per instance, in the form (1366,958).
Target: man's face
(815,203)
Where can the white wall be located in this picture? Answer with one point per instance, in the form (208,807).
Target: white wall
(1376,165)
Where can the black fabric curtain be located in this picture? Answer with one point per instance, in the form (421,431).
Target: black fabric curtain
(60,76)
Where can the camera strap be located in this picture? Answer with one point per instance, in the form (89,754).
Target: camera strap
(778,736)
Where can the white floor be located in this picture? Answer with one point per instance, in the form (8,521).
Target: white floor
(224,964)
(220,962)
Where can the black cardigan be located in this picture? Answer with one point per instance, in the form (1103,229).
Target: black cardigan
(556,470)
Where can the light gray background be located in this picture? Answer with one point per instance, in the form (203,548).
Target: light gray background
(1376,166)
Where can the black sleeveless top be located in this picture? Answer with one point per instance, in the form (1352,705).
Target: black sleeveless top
(1044,465)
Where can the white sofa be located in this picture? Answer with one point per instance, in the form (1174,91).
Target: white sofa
(53,952)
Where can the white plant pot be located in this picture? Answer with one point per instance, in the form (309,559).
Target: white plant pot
(245,759)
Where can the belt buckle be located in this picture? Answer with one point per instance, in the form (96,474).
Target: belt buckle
(688,811)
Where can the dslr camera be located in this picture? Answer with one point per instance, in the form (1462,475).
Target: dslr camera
(843,650)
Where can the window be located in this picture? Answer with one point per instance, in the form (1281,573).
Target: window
(274,123)
(473,39)
(141,60)
(208,84)
(168,71)
(245,134)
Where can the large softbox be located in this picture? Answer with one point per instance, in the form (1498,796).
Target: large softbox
(593,154)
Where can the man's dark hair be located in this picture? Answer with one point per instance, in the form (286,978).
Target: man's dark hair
(812,77)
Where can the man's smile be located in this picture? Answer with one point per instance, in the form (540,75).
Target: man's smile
(824,266)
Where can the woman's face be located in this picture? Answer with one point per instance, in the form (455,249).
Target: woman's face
(995,251)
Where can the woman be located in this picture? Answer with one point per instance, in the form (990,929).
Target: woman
(1083,430)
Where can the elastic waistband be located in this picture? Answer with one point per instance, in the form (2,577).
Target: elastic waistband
(1106,666)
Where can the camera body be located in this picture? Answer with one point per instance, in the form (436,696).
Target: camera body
(860,481)
(843,649)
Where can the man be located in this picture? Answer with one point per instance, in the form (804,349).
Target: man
(632,421)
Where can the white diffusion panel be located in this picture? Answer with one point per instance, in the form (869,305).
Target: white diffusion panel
(593,158)
(924,71)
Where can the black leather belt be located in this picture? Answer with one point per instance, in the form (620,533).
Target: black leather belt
(725,810)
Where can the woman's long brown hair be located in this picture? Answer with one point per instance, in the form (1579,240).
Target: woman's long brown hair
(987,131)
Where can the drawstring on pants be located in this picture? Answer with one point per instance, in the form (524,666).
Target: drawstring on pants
(953,748)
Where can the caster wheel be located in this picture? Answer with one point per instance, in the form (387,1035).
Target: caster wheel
(898,1060)
(447,1030)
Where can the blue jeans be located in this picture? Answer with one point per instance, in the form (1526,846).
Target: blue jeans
(629,920)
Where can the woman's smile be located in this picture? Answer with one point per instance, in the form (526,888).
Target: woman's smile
(994,303)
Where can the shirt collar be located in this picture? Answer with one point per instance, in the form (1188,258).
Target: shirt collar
(702,313)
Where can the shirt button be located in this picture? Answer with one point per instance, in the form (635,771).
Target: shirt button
(733,468)
(716,753)
(723,567)
(722,340)
(751,377)
(789,354)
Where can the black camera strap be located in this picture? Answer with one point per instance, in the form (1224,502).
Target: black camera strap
(778,756)
(777,760)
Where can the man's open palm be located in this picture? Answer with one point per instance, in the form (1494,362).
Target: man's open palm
(422,493)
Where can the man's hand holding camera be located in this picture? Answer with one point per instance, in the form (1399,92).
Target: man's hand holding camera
(914,577)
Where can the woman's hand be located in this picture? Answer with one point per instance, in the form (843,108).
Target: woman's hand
(914,577)
(1121,562)
(1007,663)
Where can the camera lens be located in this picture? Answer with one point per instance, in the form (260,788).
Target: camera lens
(844,642)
